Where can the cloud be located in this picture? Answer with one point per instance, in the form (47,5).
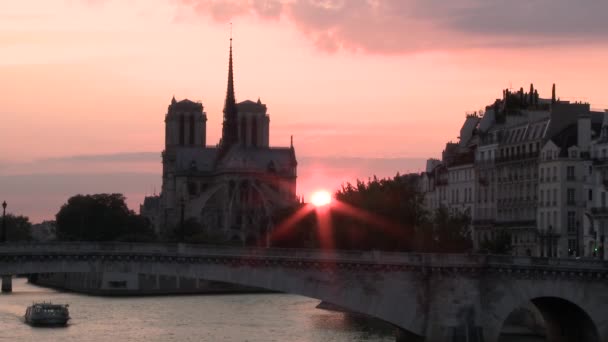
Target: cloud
(89,164)
(401,26)
(112,157)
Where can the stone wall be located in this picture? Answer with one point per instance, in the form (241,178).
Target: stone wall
(129,284)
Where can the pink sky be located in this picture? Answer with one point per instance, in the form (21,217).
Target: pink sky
(366,79)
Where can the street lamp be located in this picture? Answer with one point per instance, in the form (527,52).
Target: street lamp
(181,221)
(3,222)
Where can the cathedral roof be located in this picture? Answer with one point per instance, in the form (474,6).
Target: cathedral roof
(249,106)
(237,159)
(274,159)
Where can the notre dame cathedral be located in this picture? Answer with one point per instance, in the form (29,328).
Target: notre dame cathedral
(232,188)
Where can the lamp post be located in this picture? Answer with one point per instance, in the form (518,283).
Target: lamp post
(181,221)
(3,222)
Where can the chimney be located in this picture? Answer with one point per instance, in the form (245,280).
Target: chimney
(584,130)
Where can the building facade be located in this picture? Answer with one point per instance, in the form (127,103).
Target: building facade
(532,167)
(231,189)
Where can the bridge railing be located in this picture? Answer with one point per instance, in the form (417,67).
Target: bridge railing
(375,257)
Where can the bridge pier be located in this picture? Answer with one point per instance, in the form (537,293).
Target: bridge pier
(7,284)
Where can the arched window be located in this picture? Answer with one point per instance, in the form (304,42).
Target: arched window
(254,132)
(182,129)
(191,129)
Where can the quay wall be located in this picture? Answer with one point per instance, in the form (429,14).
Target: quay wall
(129,284)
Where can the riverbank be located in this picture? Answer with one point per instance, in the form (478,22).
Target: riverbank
(128,284)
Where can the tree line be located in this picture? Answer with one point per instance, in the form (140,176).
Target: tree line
(379,214)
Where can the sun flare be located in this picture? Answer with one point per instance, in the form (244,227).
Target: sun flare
(320,198)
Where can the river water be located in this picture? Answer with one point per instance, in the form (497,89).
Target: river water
(238,318)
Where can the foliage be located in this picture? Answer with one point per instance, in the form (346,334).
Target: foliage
(445,233)
(299,234)
(387,212)
(382,214)
(193,231)
(18,228)
(101,217)
(500,244)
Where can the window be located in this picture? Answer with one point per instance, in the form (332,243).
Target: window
(555,223)
(542,220)
(571,222)
(590,195)
(554,173)
(254,132)
(603,198)
(570,196)
(571,247)
(182,128)
(542,174)
(542,197)
(191,129)
(554,196)
(570,173)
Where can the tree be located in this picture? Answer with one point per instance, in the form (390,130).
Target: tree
(382,214)
(389,210)
(500,244)
(446,233)
(101,217)
(18,228)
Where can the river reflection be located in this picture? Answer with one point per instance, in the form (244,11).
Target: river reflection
(260,317)
(238,318)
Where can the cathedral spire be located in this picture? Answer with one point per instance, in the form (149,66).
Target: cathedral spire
(229,131)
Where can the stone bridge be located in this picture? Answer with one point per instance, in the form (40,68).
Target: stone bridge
(429,297)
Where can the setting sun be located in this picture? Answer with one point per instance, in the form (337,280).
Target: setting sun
(320,198)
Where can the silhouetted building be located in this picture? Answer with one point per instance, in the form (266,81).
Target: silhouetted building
(232,188)
(534,167)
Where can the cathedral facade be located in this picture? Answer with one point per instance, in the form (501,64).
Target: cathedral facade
(231,189)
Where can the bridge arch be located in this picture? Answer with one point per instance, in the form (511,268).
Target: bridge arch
(567,313)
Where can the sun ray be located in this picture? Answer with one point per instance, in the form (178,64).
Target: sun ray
(285,226)
(385,225)
(325,229)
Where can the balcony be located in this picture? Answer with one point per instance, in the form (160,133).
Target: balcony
(601,161)
(483,222)
(518,157)
(516,223)
(599,211)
